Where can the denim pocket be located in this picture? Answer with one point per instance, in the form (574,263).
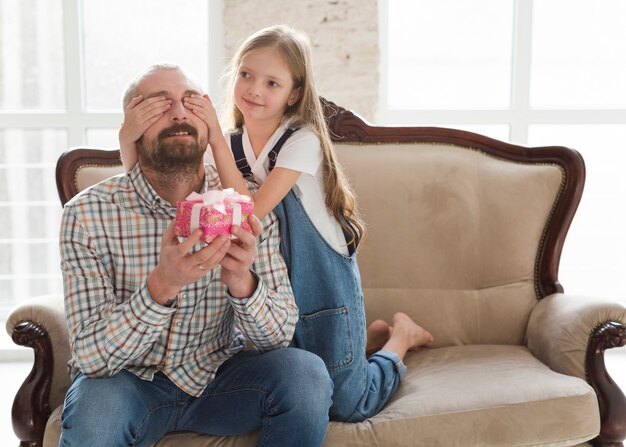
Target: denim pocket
(328,335)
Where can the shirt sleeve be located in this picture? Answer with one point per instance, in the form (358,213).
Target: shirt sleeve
(268,318)
(302,152)
(105,335)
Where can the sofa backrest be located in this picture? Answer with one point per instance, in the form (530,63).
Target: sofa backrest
(78,168)
(464,232)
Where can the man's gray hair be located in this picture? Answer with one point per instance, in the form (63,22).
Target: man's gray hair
(131,88)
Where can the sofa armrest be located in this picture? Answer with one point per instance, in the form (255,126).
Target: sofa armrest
(40,323)
(561,325)
(570,334)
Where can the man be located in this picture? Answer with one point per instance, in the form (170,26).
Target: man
(157,326)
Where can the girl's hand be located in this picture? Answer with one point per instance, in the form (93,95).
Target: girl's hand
(141,114)
(203,108)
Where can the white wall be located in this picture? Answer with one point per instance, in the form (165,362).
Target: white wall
(344,35)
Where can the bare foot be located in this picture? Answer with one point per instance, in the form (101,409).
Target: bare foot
(378,334)
(418,336)
(407,335)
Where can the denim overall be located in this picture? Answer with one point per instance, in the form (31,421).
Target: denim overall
(327,288)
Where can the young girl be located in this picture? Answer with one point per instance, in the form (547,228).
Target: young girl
(280,141)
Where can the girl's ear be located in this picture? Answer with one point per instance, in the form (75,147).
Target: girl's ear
(294,96)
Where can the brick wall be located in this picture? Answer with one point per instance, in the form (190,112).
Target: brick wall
(344,35)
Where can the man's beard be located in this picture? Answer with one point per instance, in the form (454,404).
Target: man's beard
(175,158)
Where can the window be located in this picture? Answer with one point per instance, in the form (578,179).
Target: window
(63,67)
(531,72)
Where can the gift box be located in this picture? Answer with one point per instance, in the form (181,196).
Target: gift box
(213,212)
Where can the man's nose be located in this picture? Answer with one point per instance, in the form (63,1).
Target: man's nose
(178,112)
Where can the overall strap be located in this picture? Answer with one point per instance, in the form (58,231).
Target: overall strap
(273,154)
(236,145)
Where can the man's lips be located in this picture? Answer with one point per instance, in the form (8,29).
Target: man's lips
(178,131)
(178,134)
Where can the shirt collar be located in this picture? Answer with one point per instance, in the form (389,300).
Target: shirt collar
(152,200)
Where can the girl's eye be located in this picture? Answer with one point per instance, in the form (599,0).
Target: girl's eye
(273,84)
(244,74)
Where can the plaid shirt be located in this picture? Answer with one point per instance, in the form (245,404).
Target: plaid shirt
(110,242)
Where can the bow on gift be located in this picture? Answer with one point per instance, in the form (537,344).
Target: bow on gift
(217,198)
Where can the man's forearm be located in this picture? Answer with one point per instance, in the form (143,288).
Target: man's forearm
(112,339)
(161,291)
(268,317)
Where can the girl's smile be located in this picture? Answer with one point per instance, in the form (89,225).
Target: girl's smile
(252,103)
(263,87)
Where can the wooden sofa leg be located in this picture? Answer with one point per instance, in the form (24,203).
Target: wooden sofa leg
(610,397)
(31,407)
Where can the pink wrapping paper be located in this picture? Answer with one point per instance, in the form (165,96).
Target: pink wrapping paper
(214,213)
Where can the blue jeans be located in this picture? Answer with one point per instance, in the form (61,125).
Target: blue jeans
(327,288)
(285,393)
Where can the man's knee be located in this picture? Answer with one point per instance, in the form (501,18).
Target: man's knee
(103,394)
(92,404)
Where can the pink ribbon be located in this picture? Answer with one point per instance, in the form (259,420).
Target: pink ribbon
(217,198)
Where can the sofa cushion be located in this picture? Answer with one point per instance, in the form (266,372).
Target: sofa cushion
(487,395)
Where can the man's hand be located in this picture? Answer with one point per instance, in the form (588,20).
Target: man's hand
(177,267)
(239,258)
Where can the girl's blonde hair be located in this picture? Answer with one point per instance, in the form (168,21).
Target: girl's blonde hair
(295,49)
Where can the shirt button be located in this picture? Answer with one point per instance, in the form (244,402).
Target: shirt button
(183,296)
(265,329)
(171,356)
(179,324)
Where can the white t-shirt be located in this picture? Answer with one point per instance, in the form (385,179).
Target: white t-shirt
(301,152)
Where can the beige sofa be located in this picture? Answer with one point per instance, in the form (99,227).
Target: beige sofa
(465,235)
